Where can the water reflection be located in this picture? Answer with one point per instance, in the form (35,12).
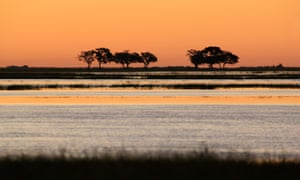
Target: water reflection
(255,128)
(178,93)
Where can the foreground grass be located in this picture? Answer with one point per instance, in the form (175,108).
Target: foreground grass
(124,165)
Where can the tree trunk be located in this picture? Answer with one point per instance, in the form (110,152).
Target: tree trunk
(100,65)
(196,66)
(211,66)
(146,65)
(89,65)
(224,65)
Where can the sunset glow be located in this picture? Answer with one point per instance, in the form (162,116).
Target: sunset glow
(52,32)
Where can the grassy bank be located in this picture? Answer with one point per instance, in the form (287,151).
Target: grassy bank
(122,165)
(151,73)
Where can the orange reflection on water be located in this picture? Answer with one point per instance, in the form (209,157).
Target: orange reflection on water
(98,100)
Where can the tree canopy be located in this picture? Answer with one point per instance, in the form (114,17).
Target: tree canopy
(196,57)
(212,55)
(87,57)
(103,56)
(147,58)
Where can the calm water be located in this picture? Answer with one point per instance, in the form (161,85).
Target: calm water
(47,128)
(149,93)
(67,82)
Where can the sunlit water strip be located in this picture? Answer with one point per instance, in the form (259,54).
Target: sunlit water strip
(49,128)
(120,93)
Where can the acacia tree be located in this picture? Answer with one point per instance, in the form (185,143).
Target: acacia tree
(126,58)
(212,55)
(229,58)
(147,58)
(87,57)
(135,58)
(121,58)
(196,57)
(103,56)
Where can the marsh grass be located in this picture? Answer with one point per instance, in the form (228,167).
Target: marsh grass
(144,86)
(150,73)
(148,165)
(163,74)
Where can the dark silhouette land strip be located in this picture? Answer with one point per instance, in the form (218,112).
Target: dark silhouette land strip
(164,165)
(146,86)
(150,73)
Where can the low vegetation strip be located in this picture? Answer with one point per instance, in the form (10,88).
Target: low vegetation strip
(165,165)
(150,73)
(146,86)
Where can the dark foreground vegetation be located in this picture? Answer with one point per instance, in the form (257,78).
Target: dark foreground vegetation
(22,72)
(206,165)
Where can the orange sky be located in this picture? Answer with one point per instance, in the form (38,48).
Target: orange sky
(53,32)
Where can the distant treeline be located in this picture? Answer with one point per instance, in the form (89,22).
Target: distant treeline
(104,56)
(210,55)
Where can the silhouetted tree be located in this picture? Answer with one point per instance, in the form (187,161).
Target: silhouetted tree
(87,57)
(229,58)
(147,58)
(103,56)
(136,58)
(121,58)
(212,55)
(196,56)
(125,58)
